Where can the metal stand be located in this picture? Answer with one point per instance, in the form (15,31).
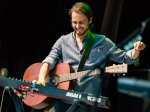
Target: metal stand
(17,101)
(76,105)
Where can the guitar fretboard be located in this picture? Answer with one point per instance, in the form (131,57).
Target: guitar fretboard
(77,75)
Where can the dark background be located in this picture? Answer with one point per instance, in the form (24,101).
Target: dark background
(28,29)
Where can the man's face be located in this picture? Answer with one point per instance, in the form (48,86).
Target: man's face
(80,23)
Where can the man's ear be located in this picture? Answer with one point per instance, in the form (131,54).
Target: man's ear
(90,21)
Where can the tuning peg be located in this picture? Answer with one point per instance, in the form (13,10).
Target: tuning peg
(30,81)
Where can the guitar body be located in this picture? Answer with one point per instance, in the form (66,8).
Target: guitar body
(39,101)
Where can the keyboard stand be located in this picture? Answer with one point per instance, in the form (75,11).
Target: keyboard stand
(76,105)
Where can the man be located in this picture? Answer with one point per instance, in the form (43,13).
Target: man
(68,49)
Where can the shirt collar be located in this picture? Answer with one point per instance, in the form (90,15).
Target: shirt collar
(86,38)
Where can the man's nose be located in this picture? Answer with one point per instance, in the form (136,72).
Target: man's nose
(77,25)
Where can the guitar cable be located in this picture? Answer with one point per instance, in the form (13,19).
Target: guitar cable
(2,100)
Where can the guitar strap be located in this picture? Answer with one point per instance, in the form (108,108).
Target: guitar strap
(86,51)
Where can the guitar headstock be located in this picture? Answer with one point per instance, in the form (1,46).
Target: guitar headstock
(117,69)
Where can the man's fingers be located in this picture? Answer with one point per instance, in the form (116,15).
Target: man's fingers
(41,83)
(34,81)
(37,82)
(139,45)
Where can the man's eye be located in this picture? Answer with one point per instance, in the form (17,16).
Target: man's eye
(74,22)
(77,22)
(81,22)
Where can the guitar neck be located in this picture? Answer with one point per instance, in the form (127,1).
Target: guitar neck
(77,75)
(117,69)
(122,68)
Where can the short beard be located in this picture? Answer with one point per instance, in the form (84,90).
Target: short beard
(82,33)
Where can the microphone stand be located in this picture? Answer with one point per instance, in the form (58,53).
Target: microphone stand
(17,101)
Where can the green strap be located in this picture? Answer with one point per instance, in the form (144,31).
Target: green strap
(86,51)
